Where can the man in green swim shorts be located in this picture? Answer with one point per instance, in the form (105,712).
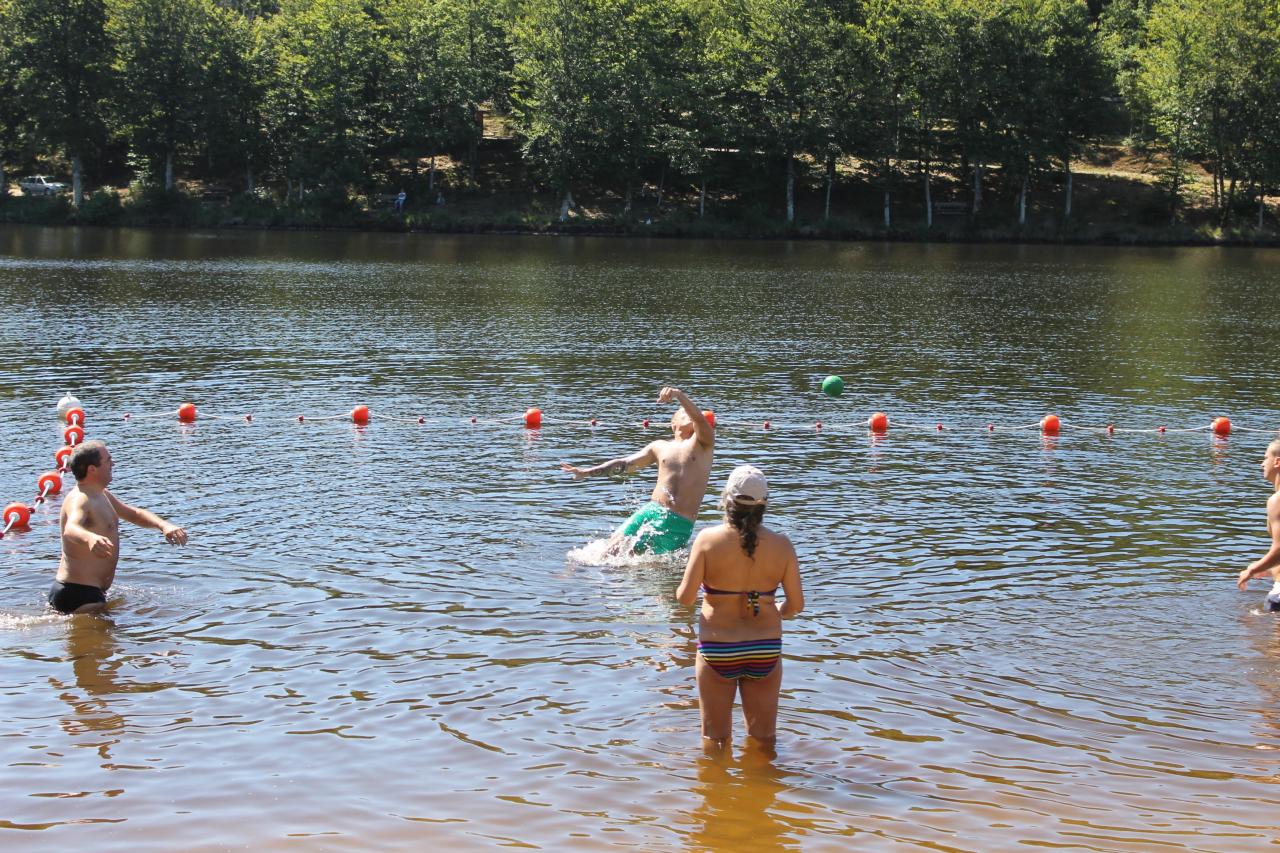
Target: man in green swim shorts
(665,523)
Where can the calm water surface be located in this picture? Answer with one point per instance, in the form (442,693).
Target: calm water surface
(377,638)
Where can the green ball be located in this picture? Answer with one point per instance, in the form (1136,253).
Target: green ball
(833,386)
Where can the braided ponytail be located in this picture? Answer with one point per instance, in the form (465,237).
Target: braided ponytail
(746,519)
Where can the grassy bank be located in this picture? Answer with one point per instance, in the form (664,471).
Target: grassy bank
(1116,200)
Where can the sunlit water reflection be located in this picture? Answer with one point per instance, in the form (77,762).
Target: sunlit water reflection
(378,636)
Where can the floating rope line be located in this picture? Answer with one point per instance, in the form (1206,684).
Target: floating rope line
(17,515)
(878,423)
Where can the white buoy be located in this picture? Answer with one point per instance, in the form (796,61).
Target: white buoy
(67,403)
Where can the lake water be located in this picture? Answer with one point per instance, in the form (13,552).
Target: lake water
(377,640)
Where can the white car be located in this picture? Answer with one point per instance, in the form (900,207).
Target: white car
(41,185)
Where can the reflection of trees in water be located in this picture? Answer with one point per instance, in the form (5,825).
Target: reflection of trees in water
(736,802)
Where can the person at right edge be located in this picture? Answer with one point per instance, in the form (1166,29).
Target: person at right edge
(739,566)
(1268,563)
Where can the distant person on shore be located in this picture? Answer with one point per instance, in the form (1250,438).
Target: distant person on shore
(665,523)
(739,566)
(400,200)
(90,522)
(1269,563)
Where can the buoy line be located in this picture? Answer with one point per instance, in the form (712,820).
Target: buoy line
(17,515)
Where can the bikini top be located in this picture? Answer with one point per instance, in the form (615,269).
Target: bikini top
(753,597)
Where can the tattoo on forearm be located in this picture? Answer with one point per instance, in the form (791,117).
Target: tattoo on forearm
(615,468)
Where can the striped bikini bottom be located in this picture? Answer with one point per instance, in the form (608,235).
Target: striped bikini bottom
(747,659)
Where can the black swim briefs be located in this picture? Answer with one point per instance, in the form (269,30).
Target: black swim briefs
(70,597)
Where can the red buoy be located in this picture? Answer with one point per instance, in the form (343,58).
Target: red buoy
(50,483)
(879,422)
(533,417)
(248,419)
(594,422)
(818,425)
(939,427)
(711,417)
(473,419)
(991,427)
(421,419)
(301,418)
(187,413)
(61,456)
(73,435)
(1111,429)
(1160,428)
(75,416)
(645,423)
(766,424)
(16,515)
(1050,425)
(1221,426)
(360,415)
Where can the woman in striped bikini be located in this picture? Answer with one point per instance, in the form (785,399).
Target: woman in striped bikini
(739,566)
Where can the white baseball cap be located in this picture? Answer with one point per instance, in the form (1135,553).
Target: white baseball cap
(746,486)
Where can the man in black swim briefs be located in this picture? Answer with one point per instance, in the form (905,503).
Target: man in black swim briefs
(90,522)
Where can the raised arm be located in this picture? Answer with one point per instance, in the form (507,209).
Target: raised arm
(701,426)
(694,570)
(1271,559)
(623,465)
(791,586)
(76,530)
(173,534)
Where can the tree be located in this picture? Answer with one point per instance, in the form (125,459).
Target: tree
(10,102)
(564,72)
(64,56)
(1076,84)
(161,48)
(325,108)
(1167,88)
(888,34)
(779,53)
(229,121)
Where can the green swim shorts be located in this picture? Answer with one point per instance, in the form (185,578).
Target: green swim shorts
(656,528)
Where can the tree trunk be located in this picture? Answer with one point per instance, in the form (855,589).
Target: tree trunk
(566,205)
(168,171)
(977,188)
(248,179)
(831,179)
(4,184)
(77,181)
(626,201)
(888,195)
(1066,162)
(1262,203)
(662,183)
(1022,198)
(1229,213)
(791,189)
(302,193)
(431,175)
(473,154)
(928,200)
(288,189)
(702,197)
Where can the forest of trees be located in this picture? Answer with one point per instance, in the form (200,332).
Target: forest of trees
(333,96)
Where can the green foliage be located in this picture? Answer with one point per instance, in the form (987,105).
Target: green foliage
(330,99)
(101,208)
(63,54)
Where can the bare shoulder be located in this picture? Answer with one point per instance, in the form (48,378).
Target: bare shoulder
(1273,505)
(710,536)
(777,540)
